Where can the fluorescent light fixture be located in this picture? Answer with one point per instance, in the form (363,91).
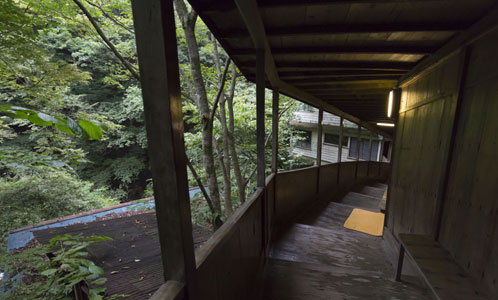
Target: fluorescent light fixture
(390,105)
(386,124)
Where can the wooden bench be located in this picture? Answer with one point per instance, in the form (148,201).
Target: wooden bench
(438,269)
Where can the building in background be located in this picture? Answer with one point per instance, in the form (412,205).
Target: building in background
(305,138)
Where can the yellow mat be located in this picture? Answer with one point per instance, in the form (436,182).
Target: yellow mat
(366,221)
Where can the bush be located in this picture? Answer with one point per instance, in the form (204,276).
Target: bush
(45,193)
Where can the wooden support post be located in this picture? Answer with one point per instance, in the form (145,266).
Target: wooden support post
(319,144)
(358,148)
(319,139)
(260,116)
(274,130)
(339,151)
(341,137)
(390,151)
(369,154)
(396,105)
(382,141)
(441,197)
(260,138)
(401,258)
(157,55)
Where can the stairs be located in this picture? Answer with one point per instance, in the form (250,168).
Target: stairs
(317,258)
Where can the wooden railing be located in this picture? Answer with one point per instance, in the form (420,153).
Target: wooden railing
(230,264)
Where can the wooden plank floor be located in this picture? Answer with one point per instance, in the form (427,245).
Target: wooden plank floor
(132,260)
(317,258)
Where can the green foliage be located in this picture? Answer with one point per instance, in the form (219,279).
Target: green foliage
(82,128)
(32,275)
(52,61)
(34,195)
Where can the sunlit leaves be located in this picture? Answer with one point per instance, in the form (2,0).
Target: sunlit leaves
(83,127)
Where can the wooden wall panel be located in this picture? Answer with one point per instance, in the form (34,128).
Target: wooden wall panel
(230,264)
(469,227)
(270,206)
(362,170)
(470,217)
(423,134)
(328,181)
(373,169)
(294,189)
(346,175)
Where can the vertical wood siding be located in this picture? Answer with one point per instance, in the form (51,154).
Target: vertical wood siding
(469,228)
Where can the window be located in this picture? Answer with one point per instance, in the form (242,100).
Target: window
(363,149)
(303,139)
(333,139)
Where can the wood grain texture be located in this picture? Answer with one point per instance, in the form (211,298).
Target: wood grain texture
(422,135)
(134,238)
(441,273)
(469,224)
(470,221)
(160,84)
(229,266)
(317,258)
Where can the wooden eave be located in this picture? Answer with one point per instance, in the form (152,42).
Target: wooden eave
(342,56)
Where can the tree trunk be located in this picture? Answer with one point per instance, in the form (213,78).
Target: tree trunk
(227,188)
(225,161)
(241,186)
(188,20)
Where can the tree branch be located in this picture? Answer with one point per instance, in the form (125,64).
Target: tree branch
(267,141)
(201,186)
(114,20)
(106,40)
(220,91)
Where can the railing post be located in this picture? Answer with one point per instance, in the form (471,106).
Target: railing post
(319,143)
(260,140)
(260,116)
(381,151)
(369,154)
(358,148)
(382,141)
(319,138)
(158,61)
(339,150)
(274,130)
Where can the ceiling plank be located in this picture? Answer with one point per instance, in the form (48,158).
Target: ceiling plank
(341,79)
(250,14)
(331,73)
(226,6)
(486,24)
(342,49)
(354,28)
(363,65)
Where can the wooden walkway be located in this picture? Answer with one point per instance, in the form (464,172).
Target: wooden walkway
(317,258)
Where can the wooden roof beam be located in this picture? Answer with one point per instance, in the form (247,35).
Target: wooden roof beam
(337,73)
(349,85)
(349,65)
(290,3)
(226,6)
(324,92)
(342,79)
(343,49)
(354,28)
(249,11)
(486,24)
